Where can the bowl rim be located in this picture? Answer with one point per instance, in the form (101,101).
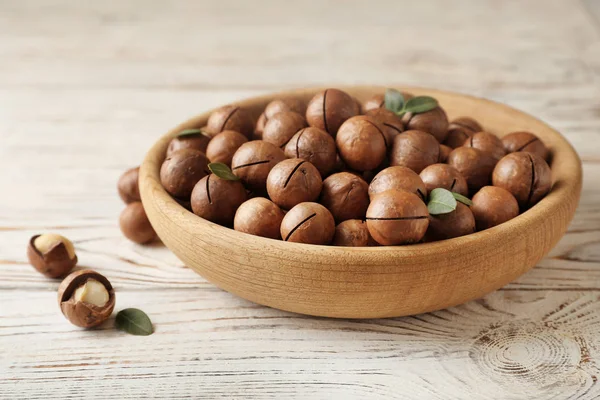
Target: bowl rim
(564,159)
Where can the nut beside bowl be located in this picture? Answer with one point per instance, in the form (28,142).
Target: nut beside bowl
(371,282)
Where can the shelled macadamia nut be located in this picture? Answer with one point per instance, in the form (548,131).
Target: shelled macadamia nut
(434,122)
(459,130)
(181,171)
(282,126)
(352,233)
(230,118)
(253,161)
(197,141)
(397,217)
(526,175)
(415,150)
(328,110)
(51,254)
(456,223)
(391,124)
(487,143)
(86,298)
(525,141)
(135,225)
(216,199)
(474,165)
(309,223)
(259,217)
(444,176)
(224,145)
(128,187)
(294,181)
(398,177)
(361,143)
(493,206)
(314,145)
(346,196)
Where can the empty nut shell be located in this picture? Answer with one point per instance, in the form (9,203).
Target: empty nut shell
(253,161)
(353,233)
(415,150)
(223,146)
(460,130)
(217,200)
(180,172)
(309,223)
(487,143)
(260,217)
(282,126)
(474,165)
(197,141)
(434,122)
(52,255)
(294,181)
(525,141)
(314,145)
(446,177)
(361,143)
(230,118)
(81,313)
(135,225)
(329,109)
(457,223)
(128,187)
(493,206)
(398,178)
(346,196)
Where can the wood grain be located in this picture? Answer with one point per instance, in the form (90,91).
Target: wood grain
(86,88)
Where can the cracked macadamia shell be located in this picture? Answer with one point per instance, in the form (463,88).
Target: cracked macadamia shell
(459,130)
(314,145)
(230,118)
(391,124)
(346,196)
(444,176)
(378,101)
(457,223)
(56,261)
(474,165)
(415,150)
(217,200)
(259,216)
(80,313)
(253,161)
(128,186)
(135,225)
(352,233)
(434,122)
(196,141)
(526,175)
(397,217)
(294,181)
(329,109)
(487,143)
(361,143)
(180,172)
(309,223)
(280,128)
(398,178)
(223,146)
(492,206)
(525,141)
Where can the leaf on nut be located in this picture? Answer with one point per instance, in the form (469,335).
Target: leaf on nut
(394,100)
(420,104)
(223,171)
(462,199)
(134,322)
(191,132)
(441,201)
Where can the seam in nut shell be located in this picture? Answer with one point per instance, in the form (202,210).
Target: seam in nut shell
(299,225)
(532,180)
(292,173)
(393,127)
(380,132)
(208,189)
(526,144)
(324,113)
(251,164)
(396,218)
(453,183)
(298,142)
(421,194)
(228,117)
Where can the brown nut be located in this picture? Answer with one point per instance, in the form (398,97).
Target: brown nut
(434,122)
(446,177)
(223,146)
(282,126)
(525,141)
(459,130)
(253,161)
(397,217)
(180,172)
(444,153)
(314,145)
(230,118)
(353,233)
(51,254)
(309,223)
(457,223)
(378,101)
(474,165)
(488,143)
(391,124)
(135,225)
(415,150)
(294,181)
(346,196)
(492,206)
(217,199)
(398,178)
(260,127)
(196,141)
(526,175)
(86,298)
(329,109)
(260,217)
(128,187)
(285,104)
(361,143)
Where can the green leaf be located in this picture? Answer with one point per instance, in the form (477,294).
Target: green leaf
(441,201)
(420,104)
(394,100)
(462,199)
(191,132)
(222,171)
(134,322)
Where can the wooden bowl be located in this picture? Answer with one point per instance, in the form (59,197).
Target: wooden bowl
(371,282)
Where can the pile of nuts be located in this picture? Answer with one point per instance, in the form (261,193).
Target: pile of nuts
(335,171)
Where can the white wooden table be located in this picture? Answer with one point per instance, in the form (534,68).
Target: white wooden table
(87,87)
